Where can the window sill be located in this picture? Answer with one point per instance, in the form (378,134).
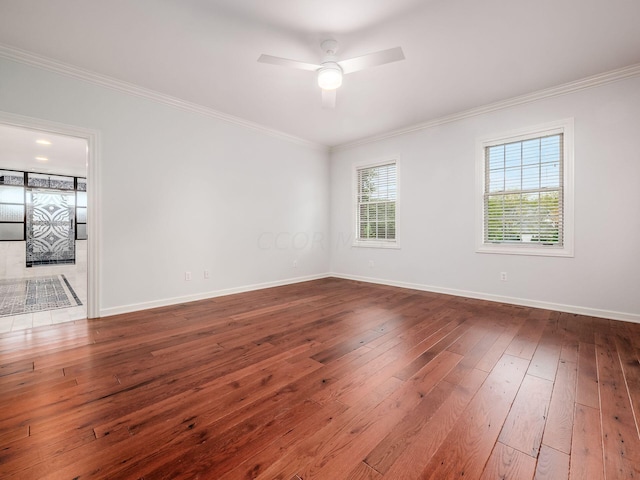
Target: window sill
(503,249)
(376,244)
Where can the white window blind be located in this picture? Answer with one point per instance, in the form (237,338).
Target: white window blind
(523,192)
(376,202)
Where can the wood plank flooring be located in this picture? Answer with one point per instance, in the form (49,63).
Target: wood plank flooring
(330,379)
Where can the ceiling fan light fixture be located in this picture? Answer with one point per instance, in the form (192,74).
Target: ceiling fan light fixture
(330,76)
(330,71)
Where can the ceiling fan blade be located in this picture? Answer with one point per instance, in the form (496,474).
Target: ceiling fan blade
(285,62)
(329,98)
(371,60)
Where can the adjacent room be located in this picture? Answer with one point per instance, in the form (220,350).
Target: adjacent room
(319,240)
(43,247)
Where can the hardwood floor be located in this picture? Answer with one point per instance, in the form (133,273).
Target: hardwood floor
(330,379)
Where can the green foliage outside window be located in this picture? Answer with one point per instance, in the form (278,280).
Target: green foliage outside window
(524,217)
(377,203)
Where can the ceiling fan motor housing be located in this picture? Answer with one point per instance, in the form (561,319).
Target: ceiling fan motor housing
(329,47)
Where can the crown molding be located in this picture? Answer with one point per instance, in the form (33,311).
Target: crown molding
(28,58)
(11,53)
(564,89)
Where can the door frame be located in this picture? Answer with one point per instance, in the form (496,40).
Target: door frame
(92,137)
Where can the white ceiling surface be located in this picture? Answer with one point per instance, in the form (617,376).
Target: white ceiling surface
(19,149)
(460,54)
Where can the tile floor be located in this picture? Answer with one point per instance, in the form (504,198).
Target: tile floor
(77,277)
(12,265)
(39,319)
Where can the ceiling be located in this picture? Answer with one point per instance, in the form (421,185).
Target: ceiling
(460,54)
(63,155)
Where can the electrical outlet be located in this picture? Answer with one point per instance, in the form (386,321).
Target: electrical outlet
(371,264)
(295,264)
(503,276)
(187,276)
(206,274)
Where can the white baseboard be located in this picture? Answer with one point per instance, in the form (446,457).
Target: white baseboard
(592,312)
(134,307)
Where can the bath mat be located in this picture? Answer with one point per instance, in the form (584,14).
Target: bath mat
(27,295)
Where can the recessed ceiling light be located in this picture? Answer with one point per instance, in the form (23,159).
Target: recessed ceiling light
(43,142)
(42,159)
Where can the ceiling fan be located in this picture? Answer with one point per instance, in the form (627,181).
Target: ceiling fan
(330,70)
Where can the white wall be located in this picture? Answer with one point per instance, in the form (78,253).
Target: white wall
(437,209)
(183,192)
(202,193)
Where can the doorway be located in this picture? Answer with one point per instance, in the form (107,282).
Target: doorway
(44,243)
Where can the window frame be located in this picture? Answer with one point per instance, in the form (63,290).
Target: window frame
(375,243)
(565,127)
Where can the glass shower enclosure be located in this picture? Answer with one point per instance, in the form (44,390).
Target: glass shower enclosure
(50,227)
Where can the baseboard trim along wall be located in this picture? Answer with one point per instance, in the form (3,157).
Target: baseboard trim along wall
(107,312)
(592,312)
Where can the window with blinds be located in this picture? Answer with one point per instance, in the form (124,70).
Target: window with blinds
(377,194)
(526,207)
(523,192)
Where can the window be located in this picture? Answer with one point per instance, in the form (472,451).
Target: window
(526,192)
(376,205)
(13,207)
